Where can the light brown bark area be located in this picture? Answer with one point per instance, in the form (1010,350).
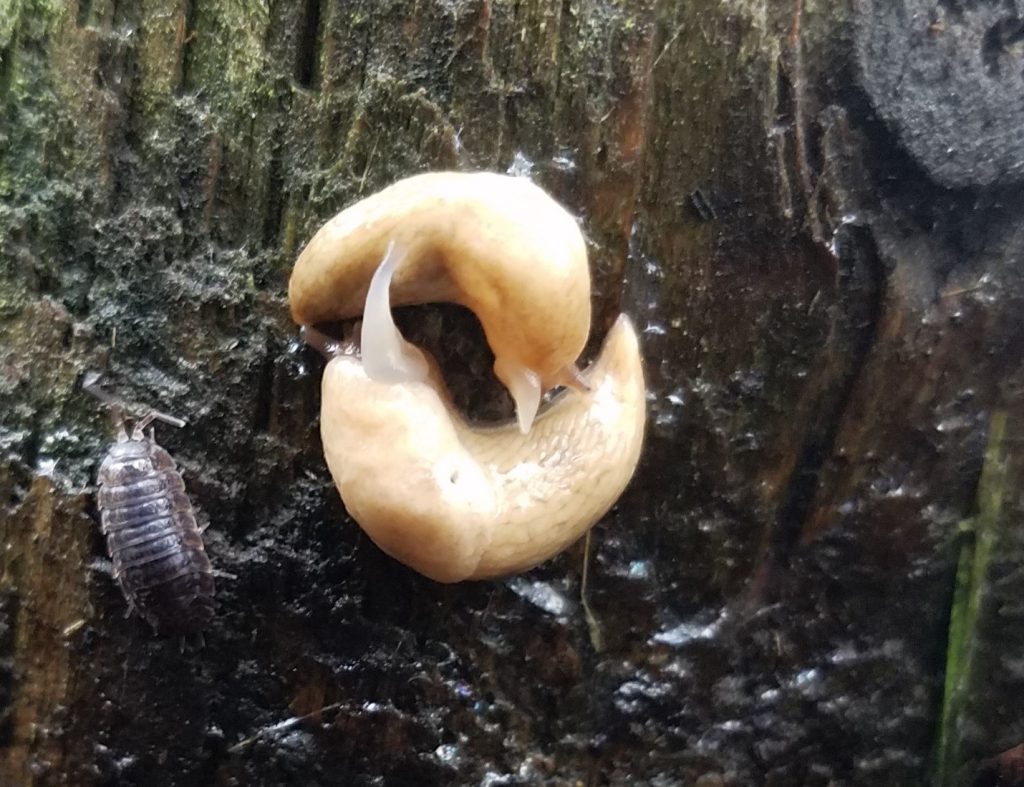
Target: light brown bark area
(47,545)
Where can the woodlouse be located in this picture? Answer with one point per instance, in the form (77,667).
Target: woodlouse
(152,537)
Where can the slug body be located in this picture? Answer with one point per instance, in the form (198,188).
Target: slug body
(498,245)
(452,501)
(154,543)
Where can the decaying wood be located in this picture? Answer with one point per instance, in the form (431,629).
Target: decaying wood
(831,312)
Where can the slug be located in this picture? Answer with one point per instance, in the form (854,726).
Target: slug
(456,502)
(499,245)
(450,500)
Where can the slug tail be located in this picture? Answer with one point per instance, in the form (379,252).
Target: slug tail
(387,356)
(620,355)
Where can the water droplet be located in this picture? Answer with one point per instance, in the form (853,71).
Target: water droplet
(542,595)
(521,166)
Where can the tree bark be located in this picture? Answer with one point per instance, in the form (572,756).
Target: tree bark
(833,315)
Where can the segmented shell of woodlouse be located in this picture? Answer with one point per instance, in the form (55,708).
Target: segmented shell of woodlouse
(152,537)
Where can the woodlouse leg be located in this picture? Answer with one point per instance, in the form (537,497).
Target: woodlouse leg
(102,566)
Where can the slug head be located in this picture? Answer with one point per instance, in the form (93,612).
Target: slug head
(499,245)
(389,358)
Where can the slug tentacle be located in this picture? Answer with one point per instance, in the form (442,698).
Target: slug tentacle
(451,500)
(524,386)
(387,356)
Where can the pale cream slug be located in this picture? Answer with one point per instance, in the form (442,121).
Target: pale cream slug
(499,245)
(456,502)
(452,501)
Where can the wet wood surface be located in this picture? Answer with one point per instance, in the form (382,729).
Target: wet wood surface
(832,317)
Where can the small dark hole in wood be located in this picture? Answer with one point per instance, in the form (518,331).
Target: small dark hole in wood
(305,63)
(84,12)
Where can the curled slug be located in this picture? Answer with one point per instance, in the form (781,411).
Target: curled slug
(456,502)
(499,245)
(452,501)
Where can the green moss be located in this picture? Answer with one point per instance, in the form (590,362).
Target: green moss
(971,583)
(229,52)
(31,18)
(27,109)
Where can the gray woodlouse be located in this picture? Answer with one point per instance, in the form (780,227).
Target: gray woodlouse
(152,537)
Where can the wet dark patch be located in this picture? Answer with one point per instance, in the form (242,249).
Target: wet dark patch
(308,45)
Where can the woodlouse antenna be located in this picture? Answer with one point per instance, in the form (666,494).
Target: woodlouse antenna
(118,409)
